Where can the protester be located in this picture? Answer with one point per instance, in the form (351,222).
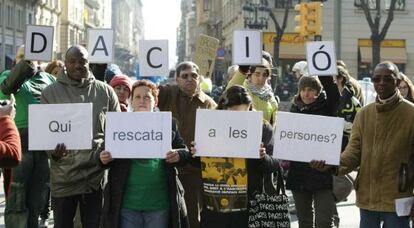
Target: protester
(354,83)
(300,69)
(385,163)
(10,147)
(218,90)
(259,89)
(76,175)
(237,98)
(26,81)
(122,87)
(144,192)
(54,67)
(311,189)
(110,71)
(183,100)
(406,88)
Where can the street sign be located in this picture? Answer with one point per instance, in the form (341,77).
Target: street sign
(321,58)
(247,47)
(153,58)
(100,45)
(39,43)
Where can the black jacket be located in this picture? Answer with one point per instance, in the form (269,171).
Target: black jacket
(118,176)
(301,176)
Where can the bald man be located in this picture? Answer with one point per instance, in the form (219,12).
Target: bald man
(28,189)
(76,175)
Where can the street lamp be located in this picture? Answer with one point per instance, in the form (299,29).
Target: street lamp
(255,14)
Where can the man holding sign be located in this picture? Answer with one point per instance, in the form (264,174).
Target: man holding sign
(27,82)
(76,175)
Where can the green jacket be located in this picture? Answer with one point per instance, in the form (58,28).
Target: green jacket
(382,145)
(269,108)
(80,171)
(26,84)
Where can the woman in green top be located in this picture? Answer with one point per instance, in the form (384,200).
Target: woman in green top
(145,192)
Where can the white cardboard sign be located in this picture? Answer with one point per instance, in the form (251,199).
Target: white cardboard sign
(50,124)
(321,58)
(304,137)
(100,45)
(138,134)
(222,133)
(247,47)
(153,58)
(39,43)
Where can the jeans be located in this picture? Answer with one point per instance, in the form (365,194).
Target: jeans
(373,219)
(64,209)
(320,202)
(144,219)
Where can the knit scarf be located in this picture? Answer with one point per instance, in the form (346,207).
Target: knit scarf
(265,93)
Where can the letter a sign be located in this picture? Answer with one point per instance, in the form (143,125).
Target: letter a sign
(100,45)
(153,58)
(321,58)
(39,43)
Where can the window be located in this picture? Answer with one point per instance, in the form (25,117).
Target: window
(20,19)
(10,15)
(399,5)
(30,18)
(282,3)
(205,5)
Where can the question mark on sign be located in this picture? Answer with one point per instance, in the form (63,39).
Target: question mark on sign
(333,136)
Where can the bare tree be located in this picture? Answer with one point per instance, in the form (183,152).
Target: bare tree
(280,30)
(377,34)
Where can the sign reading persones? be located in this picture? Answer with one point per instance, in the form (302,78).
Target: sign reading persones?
(321,58)
(304,137)
(100,45)
(153,58)
(205,54)
(50,124)
(222,133)
(138,134)
(39,43)
(247,47)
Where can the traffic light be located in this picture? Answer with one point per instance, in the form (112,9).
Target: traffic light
(309,18)
(314,16)
(301,18)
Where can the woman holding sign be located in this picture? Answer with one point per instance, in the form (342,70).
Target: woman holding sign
(224,207)
(312,188)
(145,192)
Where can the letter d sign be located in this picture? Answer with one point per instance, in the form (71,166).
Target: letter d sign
(39,43)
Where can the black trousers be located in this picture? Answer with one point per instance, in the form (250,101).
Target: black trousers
(90,205)
(210,219)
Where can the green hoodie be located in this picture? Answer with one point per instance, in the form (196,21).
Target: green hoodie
(80,171)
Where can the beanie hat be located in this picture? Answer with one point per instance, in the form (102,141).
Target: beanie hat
(311,82)
(111,71)
(121,80)
(302,67)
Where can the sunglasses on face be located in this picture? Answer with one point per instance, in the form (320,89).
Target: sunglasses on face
(191,76)
(386,79)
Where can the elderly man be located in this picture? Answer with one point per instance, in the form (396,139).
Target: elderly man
(76,175)
(183,100)
(382,145)
(28,189)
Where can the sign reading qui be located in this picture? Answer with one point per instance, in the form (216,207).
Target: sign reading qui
(39,43)
(321,58)
(247,47)
(50,124)
(220,133)
(138,134)
(153,58)
(304,137)
(100,45)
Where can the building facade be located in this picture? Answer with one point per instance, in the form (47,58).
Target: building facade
(72,28)
(48,13)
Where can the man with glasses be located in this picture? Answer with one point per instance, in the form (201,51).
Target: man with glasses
(382,145)
(183,100)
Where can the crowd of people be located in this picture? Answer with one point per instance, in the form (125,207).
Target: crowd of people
(90,188)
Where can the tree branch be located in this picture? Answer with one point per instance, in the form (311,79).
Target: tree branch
(367,12)
(390,18)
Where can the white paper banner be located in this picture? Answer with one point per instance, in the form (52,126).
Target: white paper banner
(50,124)
(100,45)
(247,47)
(321,58)
(138,134)
(39,43)
(221,133)
(153,58)
(304,137)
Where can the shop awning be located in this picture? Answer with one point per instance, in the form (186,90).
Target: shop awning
(292,51)
(393,54)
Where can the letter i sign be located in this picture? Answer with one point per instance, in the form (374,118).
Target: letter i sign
(321,58)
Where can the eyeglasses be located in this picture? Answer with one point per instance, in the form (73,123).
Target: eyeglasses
(386,79)
(187,76)
(402,87)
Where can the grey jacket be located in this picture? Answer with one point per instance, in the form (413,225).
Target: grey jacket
(80,171)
